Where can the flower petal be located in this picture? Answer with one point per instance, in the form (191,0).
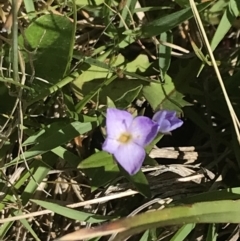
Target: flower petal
(165,126)
(143,130)
(110,145)
(130,156)
(167,121)
(159,116)
(117,122)
(176,123)
(170,114)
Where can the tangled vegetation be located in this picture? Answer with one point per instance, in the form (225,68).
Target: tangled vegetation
(163,76)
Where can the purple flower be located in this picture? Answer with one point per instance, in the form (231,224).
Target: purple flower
(167,121)
(127,137)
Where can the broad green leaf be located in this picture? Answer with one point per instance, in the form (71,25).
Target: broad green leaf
(186,75)
(101,168)
(71,213)
(110,103)
(175,101)
(156,93)
(139,181)
(225,211)
(66,155)
(95,80)
(46,44)
(45,132)
(93,92)
(101,176)
(128,97)
(98,159)
(52,89)
(153,143)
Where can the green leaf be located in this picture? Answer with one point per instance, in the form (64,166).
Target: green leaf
(45,132)
(212,234)
(183,232)
(139,181)
(55,139)
(145,236)
(127,10)
(99,159)
(128,97)
(29,5)
(38,171)
(174,101)
(71,213)
(164,60)
(169,21)
(230,14)
(47,41)
(110,103)
(229,193)
(156,93)
(225,211)
(27,226)
(95,82)
(86,2)
(101,168)
(66,155)
(4,228)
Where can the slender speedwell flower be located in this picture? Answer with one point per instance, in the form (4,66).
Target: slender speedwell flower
(127,137)
(167,121)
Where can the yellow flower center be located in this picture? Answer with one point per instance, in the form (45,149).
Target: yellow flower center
(125,138)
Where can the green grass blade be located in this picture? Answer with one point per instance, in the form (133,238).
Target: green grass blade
(225,24)
(226,211)
(28,227)
(29,5)
(169,21)
(183,232)
(56,139)
(71,213)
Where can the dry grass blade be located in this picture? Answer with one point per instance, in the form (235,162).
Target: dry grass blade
(8,24)
(75,205)
(207,44)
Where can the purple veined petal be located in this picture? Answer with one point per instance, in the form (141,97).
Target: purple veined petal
(159,116)
(176,123)
(110,145)
(143,130)
(130,157)
(117,122)
(170,114)
(167,121)
(165,126)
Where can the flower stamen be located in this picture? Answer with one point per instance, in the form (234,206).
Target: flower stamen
(125,138)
